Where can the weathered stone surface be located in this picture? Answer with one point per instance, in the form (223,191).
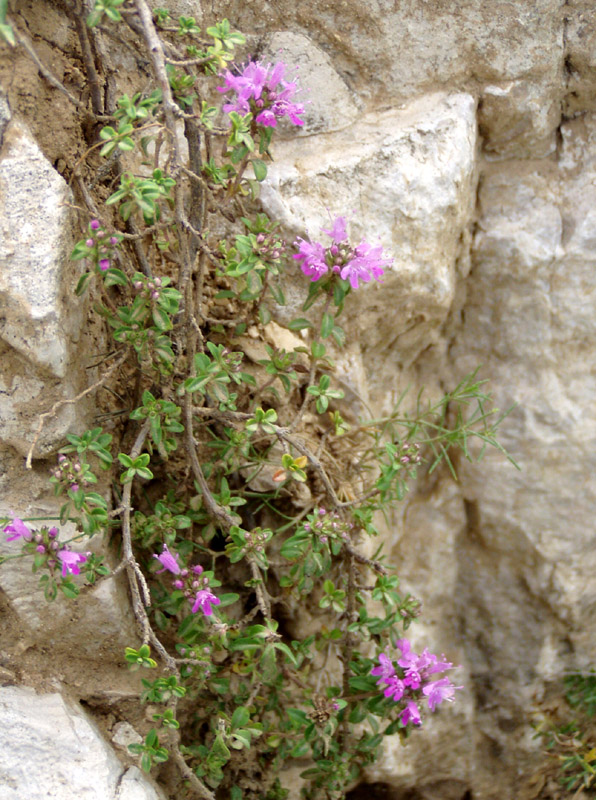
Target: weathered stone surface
(520,118)
(39,329)
(51,748)
(388,52)
(36,240)
(527,553)
(580,42)
(103,610)
(329,105)
(407,177)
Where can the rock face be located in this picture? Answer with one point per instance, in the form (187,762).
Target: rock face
(408,177)
(52,749)
(464,136)
(39,329)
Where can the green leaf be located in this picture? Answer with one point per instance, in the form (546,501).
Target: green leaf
(115,277)
(299,324)
(260,169)
(300,750)
(83,283)
(228,599)
(327,325)
(264,315)
(7,34)
(287,652)
(161,319)
(240,717)
(146,762)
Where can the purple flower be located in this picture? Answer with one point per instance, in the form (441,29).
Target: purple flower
(410,714)
(70,562)
(409,680)
(18,529)
(203,601)
(104,264)
(168,561)
(94,224)
(312,255)
(438,691)
(338,230)
(262,90)
(395,688)
(385,669)
(354,264)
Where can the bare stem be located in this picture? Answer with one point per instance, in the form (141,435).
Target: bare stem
(52,412)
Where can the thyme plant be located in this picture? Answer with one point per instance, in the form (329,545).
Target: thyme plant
(232,513)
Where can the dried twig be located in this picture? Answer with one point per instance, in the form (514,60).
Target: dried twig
(141,597)
(48,414)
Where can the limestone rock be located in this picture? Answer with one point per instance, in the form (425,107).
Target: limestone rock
(406,177)
(39,327)
(580,38)
(329,105)
(103,611)
(527,557)
(388,53)
(520,118)
(52,749)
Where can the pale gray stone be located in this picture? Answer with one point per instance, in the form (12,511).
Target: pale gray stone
(329,105)
(51,748)
(35,242)
(40,326)
(405,177)
(103,611)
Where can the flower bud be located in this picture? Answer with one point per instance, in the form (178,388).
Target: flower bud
(94,224)
(90,242)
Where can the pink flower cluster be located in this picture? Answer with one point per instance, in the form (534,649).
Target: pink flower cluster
(99,245)
(196,589)
(45,542)
(360,263)
(410,681)
(262,90)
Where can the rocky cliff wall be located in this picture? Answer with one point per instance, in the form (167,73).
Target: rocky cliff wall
(464,135)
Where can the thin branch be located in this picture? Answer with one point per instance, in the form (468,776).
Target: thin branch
(89,62)
(156,54)
(217,512)
(141,597)
(50,78)
(48,414)
(347,649)
(189,775)
(262,597)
